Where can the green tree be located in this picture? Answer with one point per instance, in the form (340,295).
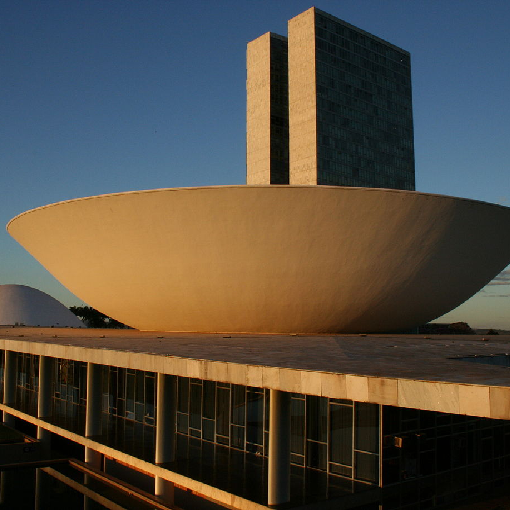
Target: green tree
(94,318)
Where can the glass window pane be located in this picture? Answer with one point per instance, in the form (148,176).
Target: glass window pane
(237,437)
(208,429)
(130,386)
(105,377)
(297,426)
(130,393)
(139,411)
(149,389)
(254,417)
(238,404)
(139,395)
(121,407)
(194,432)
(223,412)
(367,467)
(182,423)
(341,470)
(316,455)
(195,406)
(317,418)
(341,434)
(367,427)
(222,440)
(110,385)
(183,394)
(209,399)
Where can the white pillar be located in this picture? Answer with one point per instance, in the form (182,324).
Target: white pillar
(44,402)
(10,369)
(166,403)
(279,448)
(93,411)
(164,489)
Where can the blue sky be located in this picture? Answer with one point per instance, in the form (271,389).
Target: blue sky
(102,96)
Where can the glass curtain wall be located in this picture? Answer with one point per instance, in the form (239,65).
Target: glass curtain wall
(441,458)
(69,394)
(430,457)
(27,382)
(226,414)
(129,410)
(365,125)
(338,437)
(129,394)
(69,389)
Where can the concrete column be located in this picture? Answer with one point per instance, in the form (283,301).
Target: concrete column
(45,400)
(41,490)
(164,489)
(279,448)
(87,502)
(3,486)
(166,403)
(93,411)
(10,369)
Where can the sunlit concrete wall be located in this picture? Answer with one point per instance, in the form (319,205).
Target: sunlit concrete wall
(258,111)
(299,259)
(302,99)
(267,111)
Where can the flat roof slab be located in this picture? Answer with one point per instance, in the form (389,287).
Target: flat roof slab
(418,371)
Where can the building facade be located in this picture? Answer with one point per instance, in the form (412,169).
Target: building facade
(349,107)
(267,116)
(248,436)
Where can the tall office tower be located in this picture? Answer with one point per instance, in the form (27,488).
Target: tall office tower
(349,107)
(267,117)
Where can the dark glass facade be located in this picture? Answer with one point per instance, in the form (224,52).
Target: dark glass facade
(364,108)
(421,459)
(129,411)
(222,413)
(27,381)
(328,435)
(439,458)
(70,387)
(129,394)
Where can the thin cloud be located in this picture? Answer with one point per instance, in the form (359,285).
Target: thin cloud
(503,278)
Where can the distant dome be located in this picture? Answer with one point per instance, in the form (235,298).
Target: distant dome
(22,305)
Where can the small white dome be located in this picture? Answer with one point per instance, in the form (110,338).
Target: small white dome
(22,305)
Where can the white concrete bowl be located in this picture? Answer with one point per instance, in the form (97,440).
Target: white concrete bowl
(273,259)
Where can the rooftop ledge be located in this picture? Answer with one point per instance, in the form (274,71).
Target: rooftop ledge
(416,371)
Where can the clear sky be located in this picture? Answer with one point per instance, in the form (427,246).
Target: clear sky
(102,96)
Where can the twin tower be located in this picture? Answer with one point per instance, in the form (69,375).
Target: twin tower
(330,104)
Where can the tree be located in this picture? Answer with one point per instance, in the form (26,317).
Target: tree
(94,318)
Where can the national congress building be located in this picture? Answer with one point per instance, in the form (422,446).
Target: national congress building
(246,390)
